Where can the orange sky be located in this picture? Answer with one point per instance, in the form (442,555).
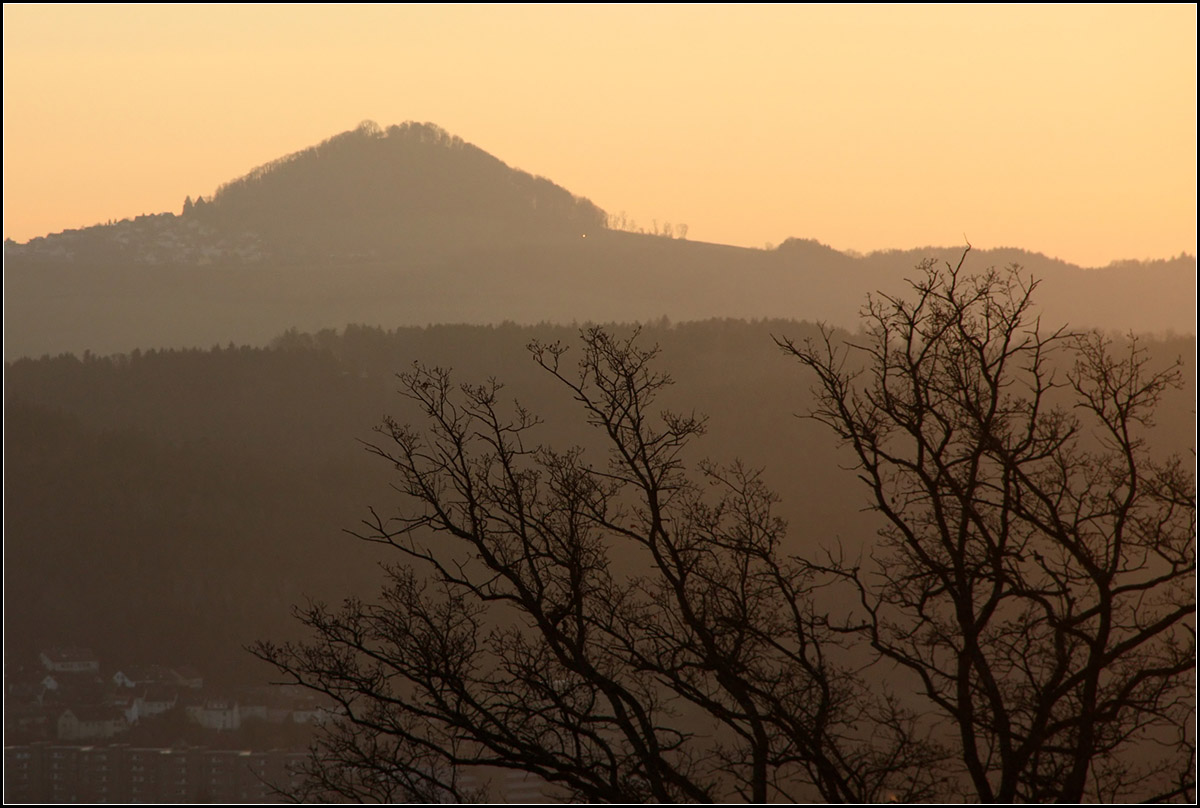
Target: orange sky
(1066,130)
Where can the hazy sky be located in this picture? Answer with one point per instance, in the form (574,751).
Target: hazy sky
(1066,130)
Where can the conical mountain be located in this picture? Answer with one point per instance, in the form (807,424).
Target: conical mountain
(374,191)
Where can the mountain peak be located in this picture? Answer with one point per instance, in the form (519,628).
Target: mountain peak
(370,191)
(384,189)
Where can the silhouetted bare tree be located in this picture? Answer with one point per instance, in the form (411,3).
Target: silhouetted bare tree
(1036,574)
(628,631)
(634,630)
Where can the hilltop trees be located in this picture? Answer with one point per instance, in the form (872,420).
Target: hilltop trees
(638,627)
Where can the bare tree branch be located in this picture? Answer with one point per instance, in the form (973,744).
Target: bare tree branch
(1037,569)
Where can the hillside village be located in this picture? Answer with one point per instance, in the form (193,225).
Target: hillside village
(146,240)
(77,728)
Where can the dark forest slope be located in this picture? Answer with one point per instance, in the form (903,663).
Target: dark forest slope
(172,505)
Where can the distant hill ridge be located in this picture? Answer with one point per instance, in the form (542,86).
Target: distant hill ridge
(410,225)
(369,192)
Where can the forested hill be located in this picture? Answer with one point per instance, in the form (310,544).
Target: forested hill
(371,192)
(411,225)
(412,189)
(175,504)
(169,504)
